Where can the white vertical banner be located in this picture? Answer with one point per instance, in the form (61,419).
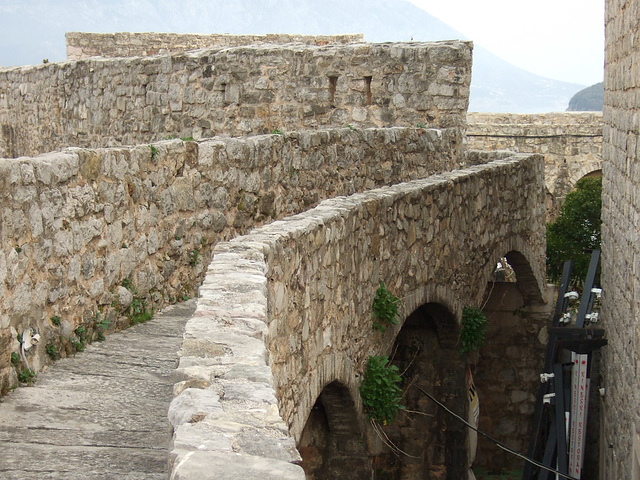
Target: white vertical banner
(575,387)
(583,407)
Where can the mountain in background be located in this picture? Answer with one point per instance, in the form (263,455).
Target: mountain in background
(34,32)
(591,99)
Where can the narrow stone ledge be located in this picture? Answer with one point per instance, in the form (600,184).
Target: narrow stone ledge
(229,426)
(196,465)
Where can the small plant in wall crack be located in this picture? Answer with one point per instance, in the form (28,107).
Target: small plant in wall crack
(194,257)
(154,152)
(100,326)
(380,390)
(26,375)
(137,311)
(82,338)
(52,351)
(474,325)
(385,308)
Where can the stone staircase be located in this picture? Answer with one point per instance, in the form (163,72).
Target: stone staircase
(101,414)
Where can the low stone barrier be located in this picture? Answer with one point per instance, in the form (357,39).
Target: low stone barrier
(90,234)
(286,309)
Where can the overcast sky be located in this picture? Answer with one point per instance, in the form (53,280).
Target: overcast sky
(559,39)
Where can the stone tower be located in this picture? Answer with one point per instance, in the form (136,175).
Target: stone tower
(620,445)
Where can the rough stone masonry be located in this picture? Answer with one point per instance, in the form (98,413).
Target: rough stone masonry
(571,143)
(286,310)
(620,453)
(79,224)
(151,213)
(237,91)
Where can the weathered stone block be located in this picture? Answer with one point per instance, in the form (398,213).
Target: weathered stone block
(211,465)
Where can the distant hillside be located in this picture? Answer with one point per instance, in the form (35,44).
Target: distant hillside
(591,99)
(34,33)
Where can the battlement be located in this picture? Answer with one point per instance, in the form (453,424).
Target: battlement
(83,45)
(236,91)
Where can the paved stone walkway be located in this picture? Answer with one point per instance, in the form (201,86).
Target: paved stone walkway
(101,414)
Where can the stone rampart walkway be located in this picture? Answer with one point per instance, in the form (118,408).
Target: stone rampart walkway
(101,414)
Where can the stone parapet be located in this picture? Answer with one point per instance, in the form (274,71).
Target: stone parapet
(82,229)
(225,415)
(236,91)
(83,45)
(571,143)
(296,296)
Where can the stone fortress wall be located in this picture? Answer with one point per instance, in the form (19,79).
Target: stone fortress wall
(299,292)
(78,223)
(620,445)
(83,45)
(571,143)
(236,91)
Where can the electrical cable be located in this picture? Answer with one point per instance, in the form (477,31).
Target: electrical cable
(497,442)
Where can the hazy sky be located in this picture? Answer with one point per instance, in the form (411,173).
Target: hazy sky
(559,39)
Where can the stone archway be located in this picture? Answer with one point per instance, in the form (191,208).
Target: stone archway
(506,370)
(557,187)
(433,442)
(332,444)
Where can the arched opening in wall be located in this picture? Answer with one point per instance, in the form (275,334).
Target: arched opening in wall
(576,230)
(594,174)
(434,443)
(565,185)
(332,444)
(506,369)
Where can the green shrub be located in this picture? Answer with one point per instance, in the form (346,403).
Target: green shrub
(380,390)
(385,308)
(26,376)
(577,228)
(474,325)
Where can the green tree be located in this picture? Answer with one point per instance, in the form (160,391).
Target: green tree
(577,228)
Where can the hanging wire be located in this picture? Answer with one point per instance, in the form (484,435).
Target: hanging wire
(493,440)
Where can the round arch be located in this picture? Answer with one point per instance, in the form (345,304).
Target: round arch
(559,185)
(506,368)
(332,443)
(430,443)
(530,277)
(585,172)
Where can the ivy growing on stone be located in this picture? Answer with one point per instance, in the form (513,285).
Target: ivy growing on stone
(385,309)
(380,390)
(474,325)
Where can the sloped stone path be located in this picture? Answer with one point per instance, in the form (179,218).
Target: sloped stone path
(101,414)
